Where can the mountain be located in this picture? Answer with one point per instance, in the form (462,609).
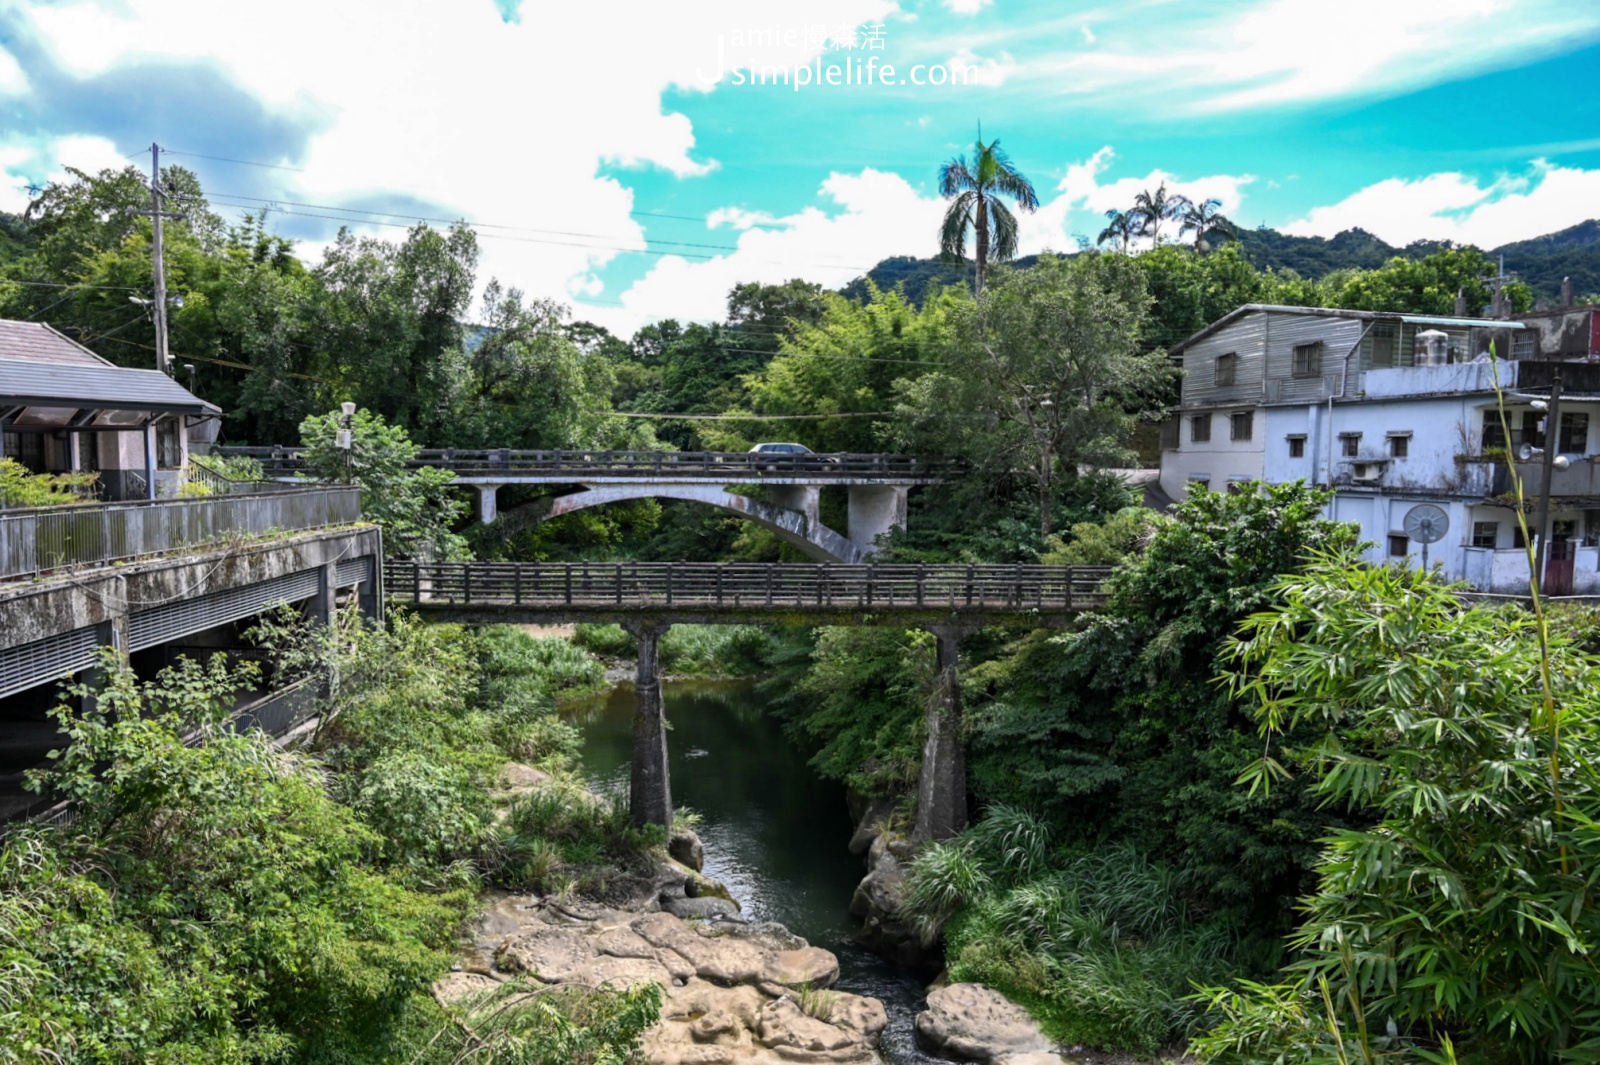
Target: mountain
(1542,262)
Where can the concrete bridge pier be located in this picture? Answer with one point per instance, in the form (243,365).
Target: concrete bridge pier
(874,510)
(488,503)
(942,786)
(649,789)
(806,498)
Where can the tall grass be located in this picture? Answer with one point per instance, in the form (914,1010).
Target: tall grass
(1097,944)
(688,650)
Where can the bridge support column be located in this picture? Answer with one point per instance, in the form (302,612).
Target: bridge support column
(488,503)
(942,787)
(874,510)
(650,790)
(806,498)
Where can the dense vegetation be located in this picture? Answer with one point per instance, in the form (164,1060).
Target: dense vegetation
(230,902)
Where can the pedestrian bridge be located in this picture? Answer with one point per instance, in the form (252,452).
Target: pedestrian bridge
(648,597)
(877,485)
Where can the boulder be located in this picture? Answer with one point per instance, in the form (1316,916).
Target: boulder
(871,823)
(723,960)
(864,1016)
(624,943)
(785,1028)
(810,966)
(621,972)
(463,988)
(704,909)
(661,929)
(882,891)
(685,847)
(972,1021)
(516,777)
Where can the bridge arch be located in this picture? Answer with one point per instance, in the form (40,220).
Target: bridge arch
(798,527)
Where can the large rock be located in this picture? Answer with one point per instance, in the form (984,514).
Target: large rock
(686,849)
(705,908)
(785,1028)
(621,972)
(864,1016)
(723,960)
(809,966)
(972,1021)
(554,955)
(463,989)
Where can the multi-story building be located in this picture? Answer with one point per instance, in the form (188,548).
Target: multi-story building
(1394,410)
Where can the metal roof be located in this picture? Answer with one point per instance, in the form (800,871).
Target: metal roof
(1339,312)
(99,386)
(37,342)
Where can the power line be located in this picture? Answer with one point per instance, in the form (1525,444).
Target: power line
(751,417)
(241,162)
(61,284)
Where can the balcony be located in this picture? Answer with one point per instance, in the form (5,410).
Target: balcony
(1581,480)
(37,540)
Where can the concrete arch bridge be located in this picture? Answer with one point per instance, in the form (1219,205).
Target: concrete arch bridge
(877,484)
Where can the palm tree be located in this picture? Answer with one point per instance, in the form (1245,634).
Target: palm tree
(1202,218)
(1152,209)
(1122,227)
(974,192)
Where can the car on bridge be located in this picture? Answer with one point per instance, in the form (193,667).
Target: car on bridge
(788,450)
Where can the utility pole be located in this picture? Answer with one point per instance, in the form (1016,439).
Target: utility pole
(1552,444)
(158,265)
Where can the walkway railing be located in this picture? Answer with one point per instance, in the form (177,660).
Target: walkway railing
(664,465)
(46,538)
(746,587)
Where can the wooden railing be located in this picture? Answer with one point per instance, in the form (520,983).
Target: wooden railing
(46,538)
(735,466)
(744,587)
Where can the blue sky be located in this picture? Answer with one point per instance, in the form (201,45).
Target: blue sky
(609,165)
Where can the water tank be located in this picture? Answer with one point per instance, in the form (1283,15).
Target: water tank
(1433,348)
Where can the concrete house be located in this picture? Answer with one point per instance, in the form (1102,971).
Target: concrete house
(64,408)
(1394,410)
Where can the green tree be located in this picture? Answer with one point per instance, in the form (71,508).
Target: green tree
(976,192)
(1428,285)
(1153,209)
(1202,218)
(414,506)
(1036,375)
(1122,227)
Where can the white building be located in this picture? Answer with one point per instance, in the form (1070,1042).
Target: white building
(1391,411)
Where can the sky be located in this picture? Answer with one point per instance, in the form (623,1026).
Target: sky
(638,158)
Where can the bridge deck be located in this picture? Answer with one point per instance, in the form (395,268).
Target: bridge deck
(508,466)
(688,591)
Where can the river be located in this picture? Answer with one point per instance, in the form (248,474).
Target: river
(775,833)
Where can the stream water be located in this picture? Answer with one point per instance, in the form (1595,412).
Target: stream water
(774,832)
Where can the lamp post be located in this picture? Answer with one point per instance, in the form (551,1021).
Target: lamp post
(346,437)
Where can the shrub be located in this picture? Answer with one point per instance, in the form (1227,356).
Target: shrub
(20,487)
(612,641)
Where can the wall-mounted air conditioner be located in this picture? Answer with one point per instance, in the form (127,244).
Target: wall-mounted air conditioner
(1366,472)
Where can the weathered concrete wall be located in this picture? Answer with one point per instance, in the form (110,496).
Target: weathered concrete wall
(874,510)
(942,785)
(35,610)
(806,499)
(649,788)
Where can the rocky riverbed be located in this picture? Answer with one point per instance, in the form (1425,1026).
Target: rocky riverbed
(734,991)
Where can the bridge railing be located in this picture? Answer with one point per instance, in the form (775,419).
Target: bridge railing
(665,465)
(745,586)
(45,538)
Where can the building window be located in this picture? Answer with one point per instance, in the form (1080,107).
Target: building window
(1561,531)
(1522,344)
(1297,447)
(1486,534)
(1533,423)
(1244,423)
(1518,541)
(1349,444)
(1199,484)
(1575,433)
(1494,433)
(1308,360)
(1227,365)
(1399,544)
(1379,349)
(1200,429)
(1399,445)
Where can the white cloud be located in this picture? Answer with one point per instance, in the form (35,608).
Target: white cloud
(872,213)
(1083,198)
(737,218)
(983,70)
(24,160)
(967,7)
(1255,54)
(13,82)
(499,123)
(1454,206)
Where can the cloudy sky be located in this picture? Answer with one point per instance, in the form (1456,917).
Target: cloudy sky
(638,157)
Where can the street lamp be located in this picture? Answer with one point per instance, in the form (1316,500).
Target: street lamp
(346,437)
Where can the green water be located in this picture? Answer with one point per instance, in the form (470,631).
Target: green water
(774,832)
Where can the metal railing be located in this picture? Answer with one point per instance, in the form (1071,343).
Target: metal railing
(746,586)
(663,465)
(46,538)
